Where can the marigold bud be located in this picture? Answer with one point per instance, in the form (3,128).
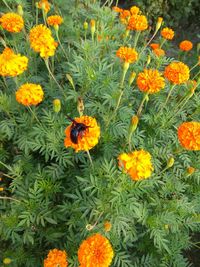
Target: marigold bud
(131,78)
(1,188)
(133,124)
(148,60)
(20,10)
(56,105)
(56,27)
(7,261)
(166,226)
(159,23)
(37,5)
(127,32)
(107,226)
(93,26)
(80,106)
(85,25)
(170,162)
(190,170)
(70,79)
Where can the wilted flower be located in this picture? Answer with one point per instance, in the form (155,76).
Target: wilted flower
(167,33)
(12,64)
(95,251)
(41,41)
(29,94)
(87,138)
(56,258)
(12,22)
(138,23)
(189,135)
(185,45)
(137,164)
(150,81)
(177,72)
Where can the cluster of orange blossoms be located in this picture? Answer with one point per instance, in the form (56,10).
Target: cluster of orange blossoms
(12,64)
(150,81)
(96,251)
(56,258)
(88,138)
(137,164)
(12,22)
(167,33)
(41,41)
(29,94)
(54,20)
(127,54)
(189,135)
(45,5)
(157,50)
(177,72)
(186,45)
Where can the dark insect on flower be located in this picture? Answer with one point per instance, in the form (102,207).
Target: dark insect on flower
(77,130)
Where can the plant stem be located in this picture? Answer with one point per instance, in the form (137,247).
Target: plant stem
(141,105)
(137,34)
(34,115)
(7,6)
(168,96)
(57,35)
(162,43)
(89,156)
(44,16)
(10,198)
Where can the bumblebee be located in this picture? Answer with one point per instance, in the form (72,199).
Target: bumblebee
(77,130)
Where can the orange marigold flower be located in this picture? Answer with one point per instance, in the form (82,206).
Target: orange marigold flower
(29,94)
(138,23)
(88,138)
(12,64)
(95,251)
(54,20)
(191,170)
(167,33)
(189,135)
(44,4)
(124,16)
(117,9)
(159,52)
(177,72)
(185,45)
(107,226)
(154,46)
(150,81)
(127,54)
(41,41)
(137,164)
(56,258)
(12,22)
(134,10)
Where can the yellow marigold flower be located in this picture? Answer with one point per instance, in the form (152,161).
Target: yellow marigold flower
(107,226)
(12,22)
(167,33)
(134,10)
(124,16)
(56,258)
(117,9)
(159,52)
(44,4)
(127,54)
(7,261)
(54,20)
(86,139)
(150,81)
(12,64)
(95,251)
(189,135)
(137,164)
(190,170)
(154,46)
(177,72)
(1,189)
(185,45)
(29,94)
(41,41)
(137,23)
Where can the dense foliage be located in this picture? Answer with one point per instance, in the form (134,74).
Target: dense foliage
(53,197)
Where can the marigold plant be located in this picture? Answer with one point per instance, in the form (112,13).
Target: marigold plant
(189,135)
(150,81)
(137,164)
(56,258)
(12,22)
(29,94)
(12,64)
(96,250)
